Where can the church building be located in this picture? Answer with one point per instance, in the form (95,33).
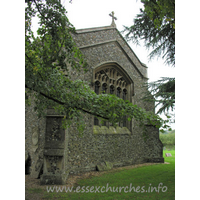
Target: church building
(53,153)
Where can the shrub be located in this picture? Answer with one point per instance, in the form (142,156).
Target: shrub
(168,140)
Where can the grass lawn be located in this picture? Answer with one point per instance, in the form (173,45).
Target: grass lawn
(144,182)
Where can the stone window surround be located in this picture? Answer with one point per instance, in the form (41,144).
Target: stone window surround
(102,75)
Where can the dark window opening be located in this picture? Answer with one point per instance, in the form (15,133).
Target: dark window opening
(104,88)
(124,121)
(96,89)
(118,92)
(112,89)
(124,95)
(96,121)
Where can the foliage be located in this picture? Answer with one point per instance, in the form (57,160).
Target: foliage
(52,58)
(156,26)
(160,11)
(168,139)
(163,91)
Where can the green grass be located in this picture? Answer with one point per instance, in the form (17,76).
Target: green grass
(35,190)
(146,177)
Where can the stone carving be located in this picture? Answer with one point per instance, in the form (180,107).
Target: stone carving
(55,135)
(53,164)
(35,139)
(54,132)
(54,152)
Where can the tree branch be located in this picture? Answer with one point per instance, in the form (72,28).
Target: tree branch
(39,10)
(64,104)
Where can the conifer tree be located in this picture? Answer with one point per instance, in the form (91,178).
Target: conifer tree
(155,25)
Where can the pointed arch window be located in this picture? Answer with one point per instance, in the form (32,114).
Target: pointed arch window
(111,79)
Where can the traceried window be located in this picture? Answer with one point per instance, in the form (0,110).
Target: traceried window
(111,79)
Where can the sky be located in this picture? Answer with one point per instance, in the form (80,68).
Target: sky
(95,13)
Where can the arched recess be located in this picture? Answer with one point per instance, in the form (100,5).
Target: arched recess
(111,78)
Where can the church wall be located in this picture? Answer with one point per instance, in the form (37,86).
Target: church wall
(93,149)
(87,151)
(84,152)
(34,141)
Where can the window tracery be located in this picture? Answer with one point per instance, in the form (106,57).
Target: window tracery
(118,92)
(112,90)
(104,88)
(109,79)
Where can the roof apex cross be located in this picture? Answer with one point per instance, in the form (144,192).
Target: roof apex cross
(113,18)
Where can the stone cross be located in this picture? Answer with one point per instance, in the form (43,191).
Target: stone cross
(113,18)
